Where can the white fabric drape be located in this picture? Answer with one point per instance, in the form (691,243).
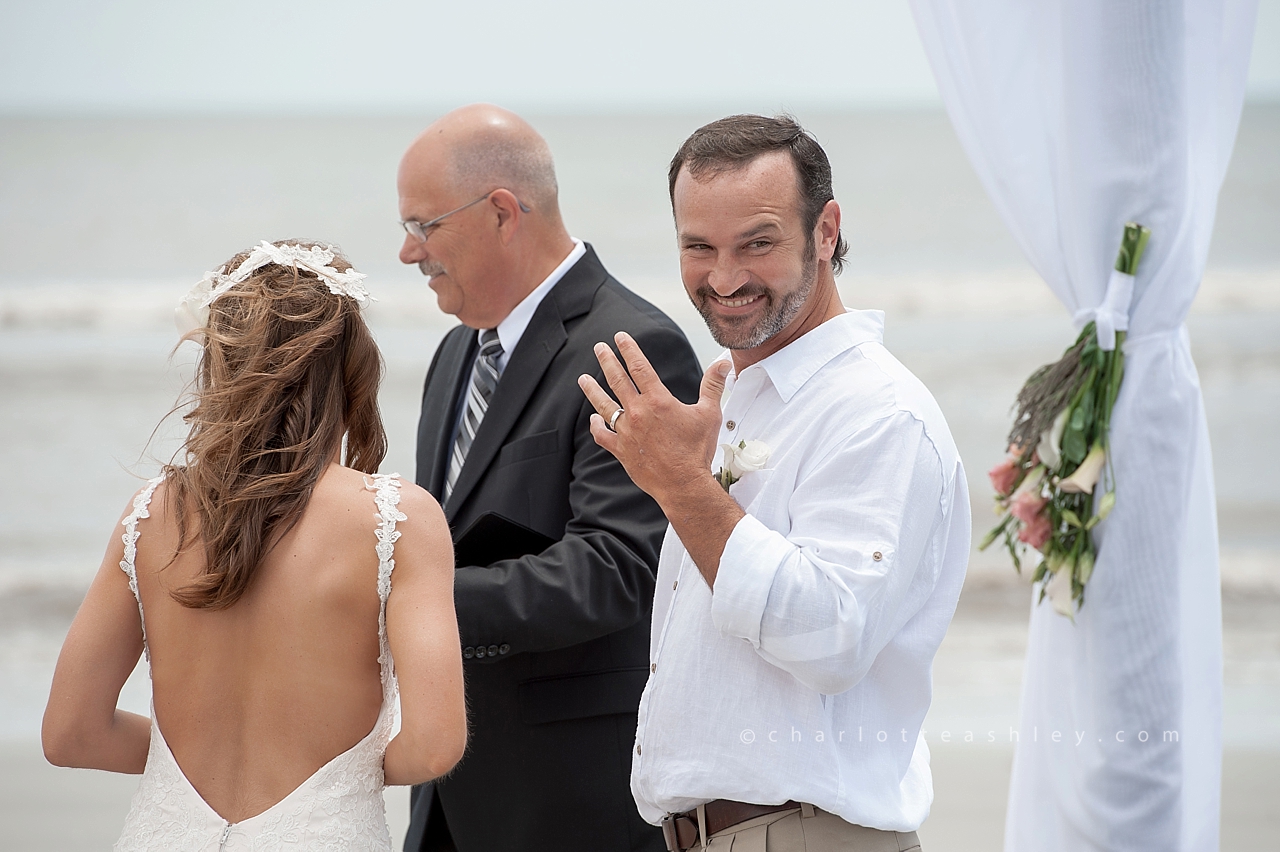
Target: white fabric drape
(1080,115)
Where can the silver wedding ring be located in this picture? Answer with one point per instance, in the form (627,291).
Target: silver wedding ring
(613,421)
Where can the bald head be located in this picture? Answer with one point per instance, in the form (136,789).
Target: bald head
(482,147)
(482,182)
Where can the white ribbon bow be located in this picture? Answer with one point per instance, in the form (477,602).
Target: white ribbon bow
(1113,314)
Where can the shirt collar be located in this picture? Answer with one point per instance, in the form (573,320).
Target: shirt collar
(511,329)
(793,365)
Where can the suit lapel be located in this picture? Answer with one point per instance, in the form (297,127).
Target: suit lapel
(538,346)
(534,353)
(439,406)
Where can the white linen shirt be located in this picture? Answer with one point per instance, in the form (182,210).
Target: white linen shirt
(806,674)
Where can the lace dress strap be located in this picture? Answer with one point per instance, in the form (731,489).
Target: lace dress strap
(386,488)
(130,538)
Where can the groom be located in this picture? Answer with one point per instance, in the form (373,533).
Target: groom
(803,592)
(555,641)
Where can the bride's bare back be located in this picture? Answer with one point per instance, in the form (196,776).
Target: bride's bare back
(254,698)
(265,631)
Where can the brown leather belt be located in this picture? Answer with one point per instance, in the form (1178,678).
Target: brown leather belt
(680,831)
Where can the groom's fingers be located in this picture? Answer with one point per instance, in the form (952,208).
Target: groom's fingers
(642,372)
(616,375)
(605,437)
(713,381)
(597,396)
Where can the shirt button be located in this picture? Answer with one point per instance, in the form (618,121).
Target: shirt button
(493,650)
(468,652)
(877,556)
(653,667)
(673,585)
(731,425)
(504,648)
(637,748)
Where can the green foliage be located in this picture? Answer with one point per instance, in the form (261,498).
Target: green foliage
(1132,244)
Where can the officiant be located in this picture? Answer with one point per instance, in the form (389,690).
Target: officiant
(557,548)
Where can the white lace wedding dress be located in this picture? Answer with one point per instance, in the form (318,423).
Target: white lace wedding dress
(338,807)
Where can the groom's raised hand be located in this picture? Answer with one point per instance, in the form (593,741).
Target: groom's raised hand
(665,446)
(663,443)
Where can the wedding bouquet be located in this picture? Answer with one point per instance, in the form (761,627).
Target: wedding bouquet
(1058,450)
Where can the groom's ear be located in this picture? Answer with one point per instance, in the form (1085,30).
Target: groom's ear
(508,212)
(827,230)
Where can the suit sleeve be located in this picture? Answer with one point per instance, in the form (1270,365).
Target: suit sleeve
(599,578)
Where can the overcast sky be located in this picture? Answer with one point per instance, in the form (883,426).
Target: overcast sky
(294,56)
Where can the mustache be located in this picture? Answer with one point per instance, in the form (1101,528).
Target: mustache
(430,268)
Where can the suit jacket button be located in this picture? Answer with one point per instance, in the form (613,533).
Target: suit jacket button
(468,652)
(504,648)
(479,651)
(493,650)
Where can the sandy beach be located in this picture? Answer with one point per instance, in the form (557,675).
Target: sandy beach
(86,374)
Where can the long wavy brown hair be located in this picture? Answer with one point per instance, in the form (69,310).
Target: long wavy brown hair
(287,370)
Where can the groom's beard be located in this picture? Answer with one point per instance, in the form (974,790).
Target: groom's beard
(778,311)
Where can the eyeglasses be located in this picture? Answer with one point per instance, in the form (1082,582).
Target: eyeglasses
(421,230)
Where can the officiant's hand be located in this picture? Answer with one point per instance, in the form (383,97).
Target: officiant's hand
(666,446)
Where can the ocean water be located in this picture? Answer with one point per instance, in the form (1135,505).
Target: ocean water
(105,222)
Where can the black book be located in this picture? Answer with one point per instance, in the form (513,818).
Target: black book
(492,538)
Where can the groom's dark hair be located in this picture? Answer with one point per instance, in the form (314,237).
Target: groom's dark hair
(732,142)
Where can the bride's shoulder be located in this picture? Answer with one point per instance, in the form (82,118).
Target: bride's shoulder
(351,488)
(424,521)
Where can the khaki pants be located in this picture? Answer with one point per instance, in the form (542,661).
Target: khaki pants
(808,830)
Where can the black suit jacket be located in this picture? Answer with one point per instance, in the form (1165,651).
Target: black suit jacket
(555,644)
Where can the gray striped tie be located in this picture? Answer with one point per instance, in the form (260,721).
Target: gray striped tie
(484,380)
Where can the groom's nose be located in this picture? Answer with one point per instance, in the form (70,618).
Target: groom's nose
(727,276)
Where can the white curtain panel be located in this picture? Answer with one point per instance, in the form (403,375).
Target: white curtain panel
(1080,115)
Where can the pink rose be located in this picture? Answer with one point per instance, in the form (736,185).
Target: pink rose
(1005,474)
(1036,531)
(1027,505)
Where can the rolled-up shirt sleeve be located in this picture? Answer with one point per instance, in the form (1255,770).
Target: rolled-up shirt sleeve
(822,598)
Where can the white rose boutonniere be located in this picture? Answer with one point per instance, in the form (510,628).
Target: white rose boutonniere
(739,460)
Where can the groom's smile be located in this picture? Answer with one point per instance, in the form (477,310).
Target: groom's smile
(738,302)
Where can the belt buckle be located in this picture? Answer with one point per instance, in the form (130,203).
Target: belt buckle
(669,834)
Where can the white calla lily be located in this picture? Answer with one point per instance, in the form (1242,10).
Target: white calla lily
(1050,446)
(1086,475)
(1059,591)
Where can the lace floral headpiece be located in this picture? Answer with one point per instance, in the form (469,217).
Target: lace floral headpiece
(193,311)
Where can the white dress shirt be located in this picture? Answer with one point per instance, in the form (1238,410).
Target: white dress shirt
(806,674)
(511,329)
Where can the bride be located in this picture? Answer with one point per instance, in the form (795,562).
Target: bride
(257,578)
